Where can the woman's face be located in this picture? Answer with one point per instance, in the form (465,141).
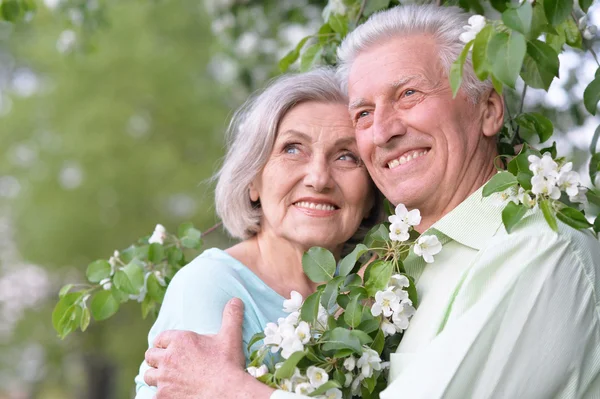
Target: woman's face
(314,190)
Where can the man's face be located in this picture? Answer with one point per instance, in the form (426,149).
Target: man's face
(418,143)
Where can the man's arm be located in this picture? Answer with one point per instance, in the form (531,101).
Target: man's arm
(532,335)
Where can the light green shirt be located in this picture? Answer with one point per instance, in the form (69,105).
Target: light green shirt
(501,315)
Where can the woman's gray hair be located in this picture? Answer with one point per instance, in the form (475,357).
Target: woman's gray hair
(444,24)
(250,139)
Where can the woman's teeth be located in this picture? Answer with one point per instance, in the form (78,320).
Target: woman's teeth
(312,205)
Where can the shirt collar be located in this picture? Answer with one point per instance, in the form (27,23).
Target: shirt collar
(473,222)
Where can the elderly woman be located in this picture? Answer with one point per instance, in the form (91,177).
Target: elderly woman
(291,180)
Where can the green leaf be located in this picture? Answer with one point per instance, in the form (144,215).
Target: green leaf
(322,33)
(512,214)
(103,305)
(593,197)
(347,264)
(325,387)
(310,56)
(353,312)
(331,292)
(594,166)
(480,56)
(456,69)
(594,142)
(310,308)
(499,182)
(289,366)
(318,264)
(156,253)
(540,65)
(10,9)
(412,291)
(256,338)
(520,163)
(507,51)
(597,225)
(552,150)
(519,19)
(352,280)
(369,325)
(572,34)
(363,337)
(591,96)
(498,86)
(372,6)
(379,342)
(377,236)
(84,322)
(557,10)
(64,290)
(556,41)
(538,123)
(585,4)
(377,276)
(339,24)
(98,271)
(539,22)
(573,218)
(548,213)
(175,256)
(63,309)
(155,290)
(499,5)
(293,55)
(340,338)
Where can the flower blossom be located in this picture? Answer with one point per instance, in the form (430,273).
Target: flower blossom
(504,197)
(541,185)
(316,376)
(304,388)
(159,235)
(404,216)
(333,393)
(400,318)
(545,166)
(257,371)
(399,232)
(427,246)
(368,362)
(386,302)
(294,303)
(476,24)
(568,180)
(350,363)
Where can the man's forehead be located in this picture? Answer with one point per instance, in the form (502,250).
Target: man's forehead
(391,86)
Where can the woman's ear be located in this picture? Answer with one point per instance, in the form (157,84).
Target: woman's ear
(253,192)
(493,113)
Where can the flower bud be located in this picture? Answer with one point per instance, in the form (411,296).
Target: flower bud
(582,22)
(590,32)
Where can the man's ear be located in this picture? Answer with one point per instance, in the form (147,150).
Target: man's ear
(493,113)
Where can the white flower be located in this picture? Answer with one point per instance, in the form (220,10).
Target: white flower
(590,32)
(399,232)
(388,328)
(397,283)
(403,216)
(348,380)
(286,385)
(106,284)
(541,185)
(568,180)
(294,303)
(304,388)
(355,387)
(580,197)
(504,197)
(400,318)
(386,302)
(333,393)
(368,362)
(291,319)
(582,22)
(159,235)
(350,363)
(297,378)
(316,376)
(257,371)
(545,166)
(526,199)
(476,24)
(427,246)
(272,336)
(303,332)
(322,317)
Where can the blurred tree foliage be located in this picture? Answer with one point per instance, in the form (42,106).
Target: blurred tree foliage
(104,143)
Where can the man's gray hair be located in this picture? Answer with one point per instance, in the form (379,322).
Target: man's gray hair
(250,139)
(444,24)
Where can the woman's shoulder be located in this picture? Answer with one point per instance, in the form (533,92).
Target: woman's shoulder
(212,263)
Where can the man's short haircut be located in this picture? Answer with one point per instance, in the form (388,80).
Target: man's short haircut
(250,138)
(444,24)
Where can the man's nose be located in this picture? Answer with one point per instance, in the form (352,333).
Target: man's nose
(387,124)
(318,174)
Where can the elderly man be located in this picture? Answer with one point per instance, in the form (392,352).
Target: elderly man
(501,315)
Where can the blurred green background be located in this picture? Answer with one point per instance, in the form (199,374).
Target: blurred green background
(112,117)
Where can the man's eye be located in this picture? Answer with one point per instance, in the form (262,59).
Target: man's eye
(362,114)
(409,92)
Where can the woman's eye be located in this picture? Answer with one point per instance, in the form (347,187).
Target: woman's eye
(348,156)
(291,149)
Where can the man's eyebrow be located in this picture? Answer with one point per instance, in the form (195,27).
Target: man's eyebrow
(359,102)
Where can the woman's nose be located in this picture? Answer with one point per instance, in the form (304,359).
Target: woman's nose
(318,175)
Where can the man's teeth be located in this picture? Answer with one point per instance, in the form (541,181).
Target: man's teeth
(405,158)
(312,205)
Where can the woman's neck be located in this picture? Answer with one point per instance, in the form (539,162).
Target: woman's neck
(277,262)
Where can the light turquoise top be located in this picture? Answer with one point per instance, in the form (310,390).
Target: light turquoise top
(501,315)
(197,295)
